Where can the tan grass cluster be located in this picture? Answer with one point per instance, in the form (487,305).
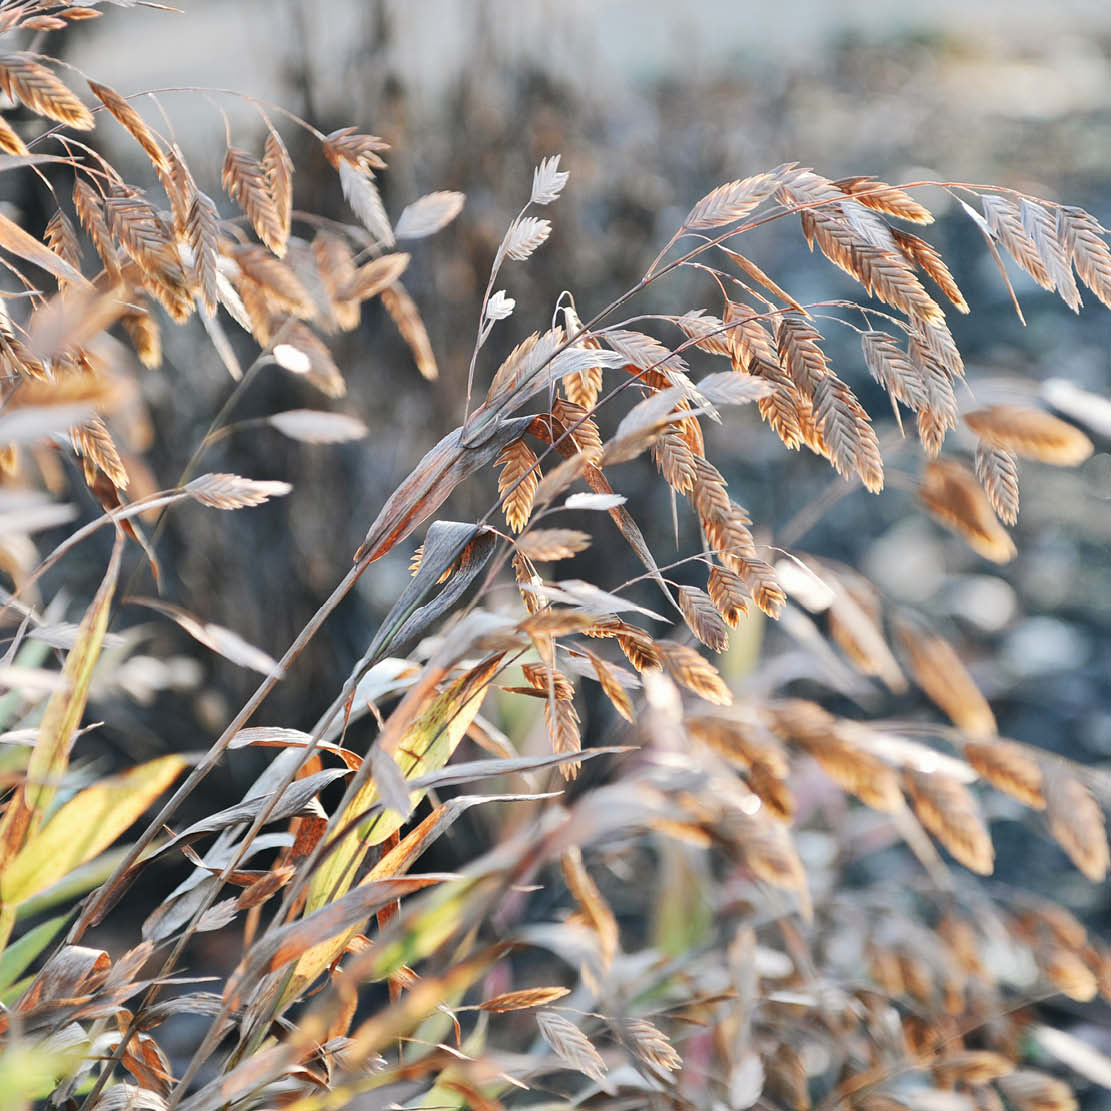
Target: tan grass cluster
(657,932)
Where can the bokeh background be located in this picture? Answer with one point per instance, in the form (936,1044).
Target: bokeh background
(650,104)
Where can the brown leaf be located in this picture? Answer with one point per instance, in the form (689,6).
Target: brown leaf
(279,947)
(429,485)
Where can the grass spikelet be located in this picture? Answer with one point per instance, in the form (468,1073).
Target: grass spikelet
(10,142)
(145,336)
(939,671)
(522,1000)
(728,593)
(279,179)
(26,80)
(929,258)
(611,686)
(247,182)
(650,1044)
(203,230)
(94,444)
(1082,236)
(1030,1090)
(950,812)
(571,1045)
(692,671)
(549,545)
(1077,823)
(563,732)
(517,482)
(703,619)
(406,317)
(1009,768)
(131,121)
(885,198)
(1030,434)
(592,904)
(997,470)
(953,496)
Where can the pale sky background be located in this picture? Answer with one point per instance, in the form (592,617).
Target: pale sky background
(605,43)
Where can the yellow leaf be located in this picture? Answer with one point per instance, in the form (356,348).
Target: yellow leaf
(85,826)
(50,756)
(426,746)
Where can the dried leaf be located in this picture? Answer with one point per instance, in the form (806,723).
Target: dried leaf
(16,241)
(223,641)
(86,825)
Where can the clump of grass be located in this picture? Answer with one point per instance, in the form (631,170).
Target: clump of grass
(687,952)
